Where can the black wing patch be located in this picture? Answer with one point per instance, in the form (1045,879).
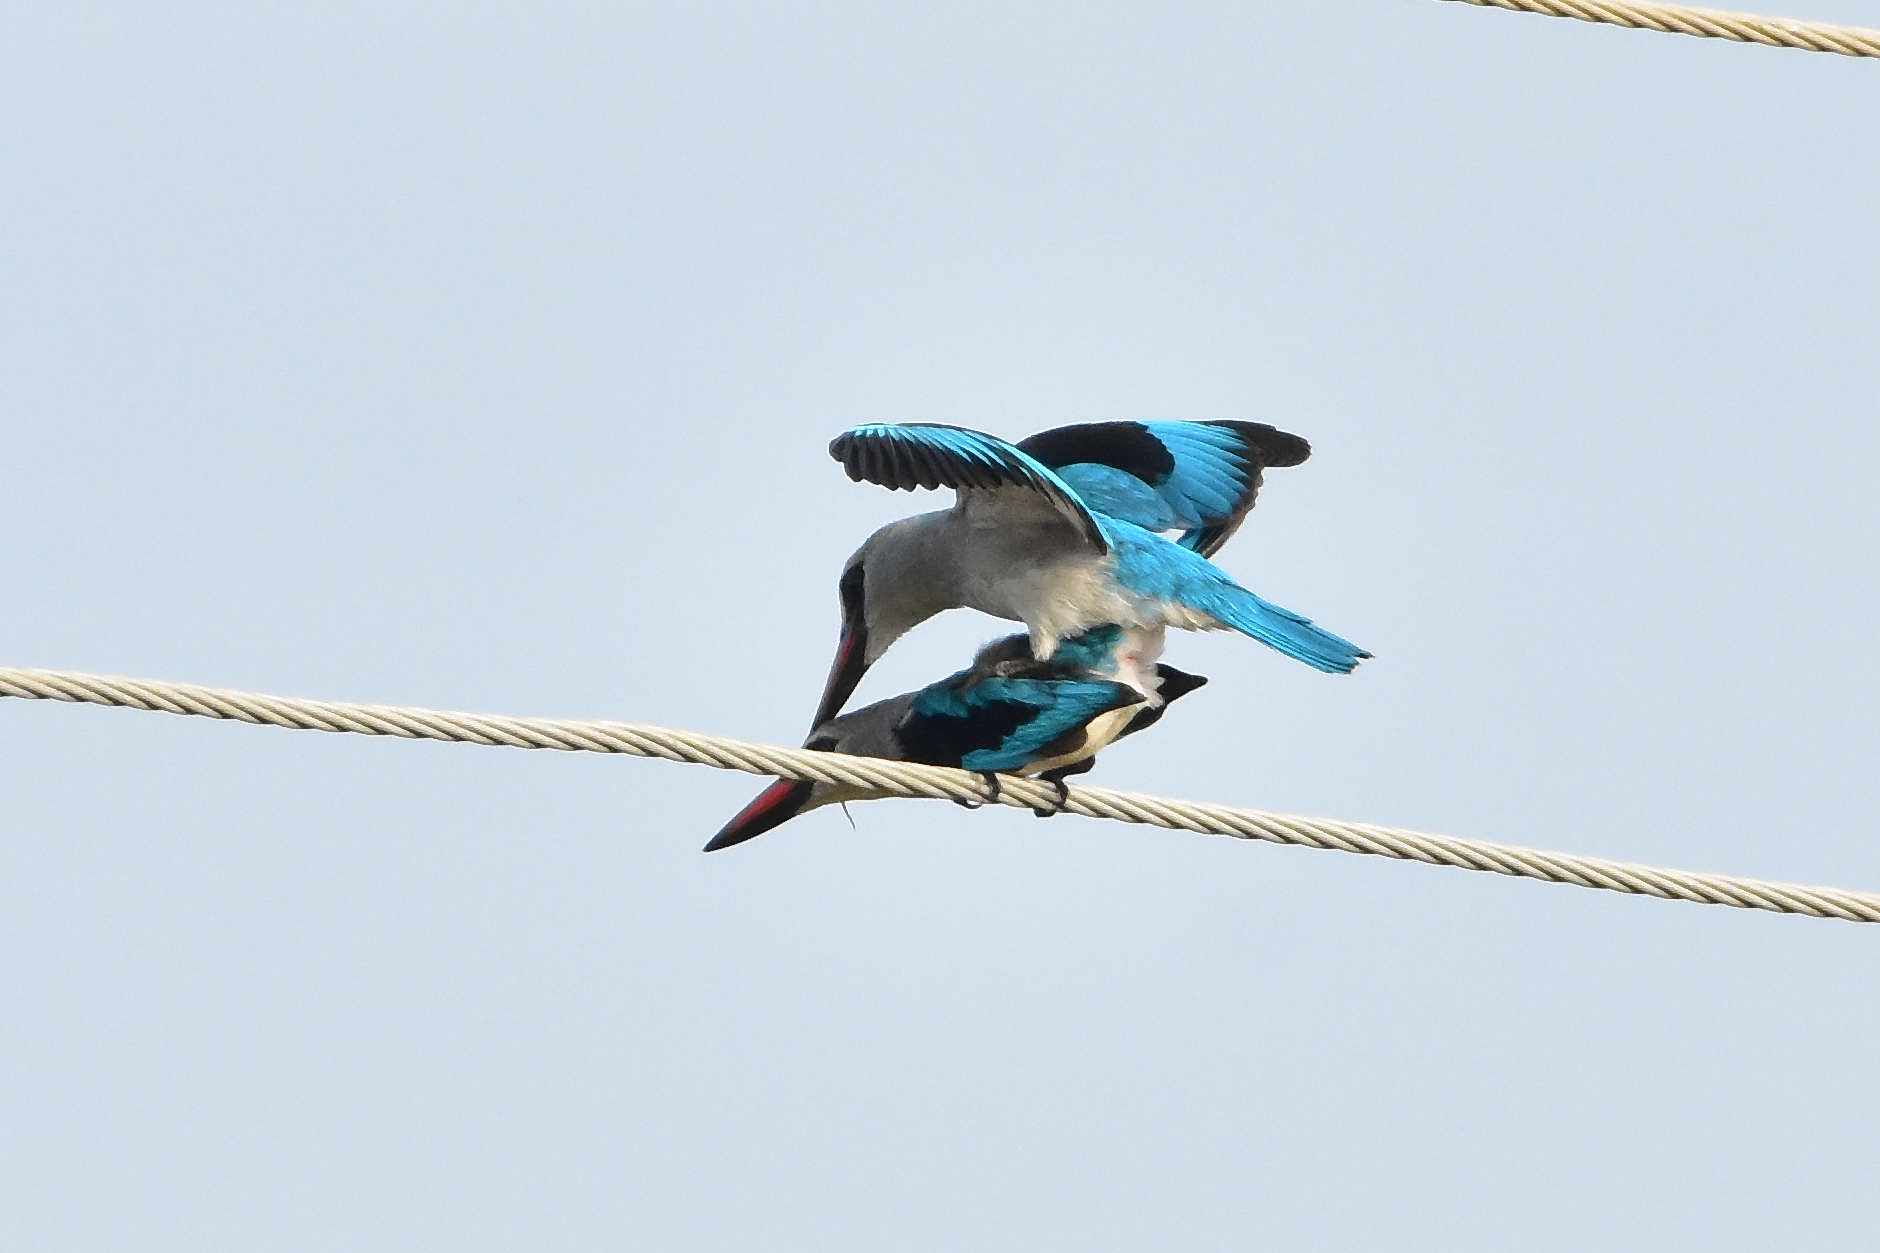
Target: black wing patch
(1126,446)
(1197,477)
(941,740)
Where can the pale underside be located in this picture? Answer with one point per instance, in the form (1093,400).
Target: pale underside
(1021,559)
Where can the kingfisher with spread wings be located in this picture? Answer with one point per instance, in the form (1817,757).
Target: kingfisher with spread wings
(1061,532)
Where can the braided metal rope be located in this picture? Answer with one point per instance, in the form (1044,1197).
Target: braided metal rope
(894,778)
(1681,19)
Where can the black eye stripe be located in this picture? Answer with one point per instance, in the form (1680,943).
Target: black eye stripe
(851,588)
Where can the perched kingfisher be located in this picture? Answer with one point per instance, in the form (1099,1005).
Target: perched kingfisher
(1069,548)
(1008,712)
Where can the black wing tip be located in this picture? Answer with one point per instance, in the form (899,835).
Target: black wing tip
(873,460)
(1208,540)
(1274,448)
(843,448)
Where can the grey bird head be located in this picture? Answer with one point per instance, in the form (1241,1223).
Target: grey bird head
(903,575)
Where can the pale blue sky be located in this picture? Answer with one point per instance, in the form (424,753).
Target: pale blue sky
(486,358)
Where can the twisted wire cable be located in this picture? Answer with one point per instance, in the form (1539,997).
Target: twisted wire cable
(1683,19)
(897,778)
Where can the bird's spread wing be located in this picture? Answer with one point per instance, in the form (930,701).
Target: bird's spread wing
(1200,478)
(1003,724)
(907,455)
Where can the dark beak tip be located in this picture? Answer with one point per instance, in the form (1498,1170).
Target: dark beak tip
(773,807)
(727,836)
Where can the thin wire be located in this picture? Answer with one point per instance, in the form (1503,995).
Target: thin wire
(896,778)
(1682,19)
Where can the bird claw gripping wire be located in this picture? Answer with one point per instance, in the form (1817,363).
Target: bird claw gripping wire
(1063,799)
(992,792)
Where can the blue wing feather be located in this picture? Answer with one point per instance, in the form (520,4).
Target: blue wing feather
(1212,470)
(1197,477)
(1004,724)
(1122,495)
(1061,705)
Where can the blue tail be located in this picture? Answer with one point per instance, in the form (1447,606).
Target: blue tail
(1293,634)
(1151,566)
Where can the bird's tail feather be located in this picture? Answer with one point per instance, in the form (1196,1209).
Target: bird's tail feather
(1293,634)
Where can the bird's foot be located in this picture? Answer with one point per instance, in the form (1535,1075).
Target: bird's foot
(1063,799)
(992,793)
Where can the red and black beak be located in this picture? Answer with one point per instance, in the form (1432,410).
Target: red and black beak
(774,806)
(851,651)
(845,672)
